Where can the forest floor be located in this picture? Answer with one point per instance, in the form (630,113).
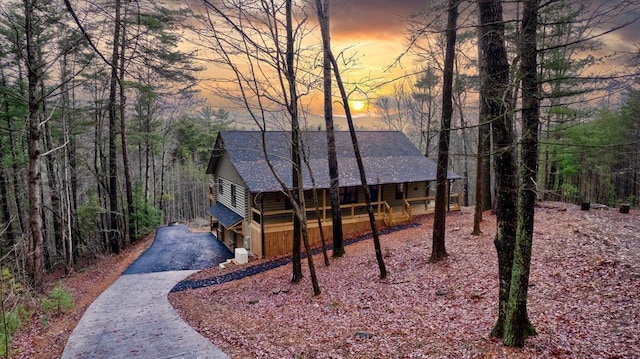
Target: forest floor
(584,297)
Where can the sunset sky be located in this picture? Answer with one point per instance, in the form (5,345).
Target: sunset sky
(375,33)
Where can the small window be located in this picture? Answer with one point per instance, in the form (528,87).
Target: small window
(234,201)
(220,186)
(348,195)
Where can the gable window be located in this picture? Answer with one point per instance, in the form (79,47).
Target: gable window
(234,201)
(220,186)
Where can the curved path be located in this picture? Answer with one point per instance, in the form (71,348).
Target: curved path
(133,317)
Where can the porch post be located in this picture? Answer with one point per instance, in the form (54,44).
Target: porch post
(448,196)
(379,198)
(324,204)
(211,198)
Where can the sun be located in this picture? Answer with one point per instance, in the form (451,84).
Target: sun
(357,105)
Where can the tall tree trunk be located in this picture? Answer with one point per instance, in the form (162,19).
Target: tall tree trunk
(495,86)
(4,194)
(459,103)
(115,237)
(482,163)
(73,179)
(52,165)
(486,136)
(438,250)
(4,198)
(54,192)
(296,163)
(101,174)
(17,179)
(123,139)
(67,212)
(35,263)
(332,158)
(363,177)
(517,325)
(477,212)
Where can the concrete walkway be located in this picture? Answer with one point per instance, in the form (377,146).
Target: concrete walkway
(133,317)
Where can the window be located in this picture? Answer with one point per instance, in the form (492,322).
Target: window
(348,195)
(220,186)
(234,201)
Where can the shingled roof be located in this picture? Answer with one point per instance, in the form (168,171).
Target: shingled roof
(388,157)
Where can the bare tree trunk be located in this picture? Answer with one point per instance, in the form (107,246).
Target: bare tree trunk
(517,326)
(101,174)
(4,194)
(54,191)
(363,177)
(6,214)
(482,162)
(73,182)
(129,229)
(459,103)
(316,205)
(296,163)
(495,87)
(16,178)
(67,210)
(438,250)
(115,237)
(332,159)
(35,263)
(477,213)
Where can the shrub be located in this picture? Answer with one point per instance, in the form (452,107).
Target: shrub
(58,301)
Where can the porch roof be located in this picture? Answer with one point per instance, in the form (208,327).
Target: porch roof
(388,157)
(224,215)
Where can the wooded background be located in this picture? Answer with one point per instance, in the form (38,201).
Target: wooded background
(105,130)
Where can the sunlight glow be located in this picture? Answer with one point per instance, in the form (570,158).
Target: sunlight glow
(357,105)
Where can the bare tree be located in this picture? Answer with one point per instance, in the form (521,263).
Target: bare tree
(517,326)
(363,178)
(495,88)
(262,97)
(35,74)
(322,9)
(438,250)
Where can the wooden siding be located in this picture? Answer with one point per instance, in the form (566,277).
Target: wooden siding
(225,198)
(278,239)
(225,169)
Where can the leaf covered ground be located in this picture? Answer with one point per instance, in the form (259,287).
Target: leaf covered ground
(584,296)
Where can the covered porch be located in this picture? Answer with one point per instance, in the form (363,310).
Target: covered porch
(393,204)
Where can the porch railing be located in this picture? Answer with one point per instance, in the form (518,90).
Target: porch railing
(391,214)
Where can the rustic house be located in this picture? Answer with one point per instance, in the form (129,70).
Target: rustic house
(248,208)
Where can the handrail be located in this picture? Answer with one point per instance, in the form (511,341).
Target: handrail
(454,204)
(387,213)
(386,209)
(350,206)
(406,208)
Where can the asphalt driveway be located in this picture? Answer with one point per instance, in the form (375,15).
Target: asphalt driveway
(133,317)
(175,248)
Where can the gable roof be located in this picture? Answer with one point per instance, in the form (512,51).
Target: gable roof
(388,157)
